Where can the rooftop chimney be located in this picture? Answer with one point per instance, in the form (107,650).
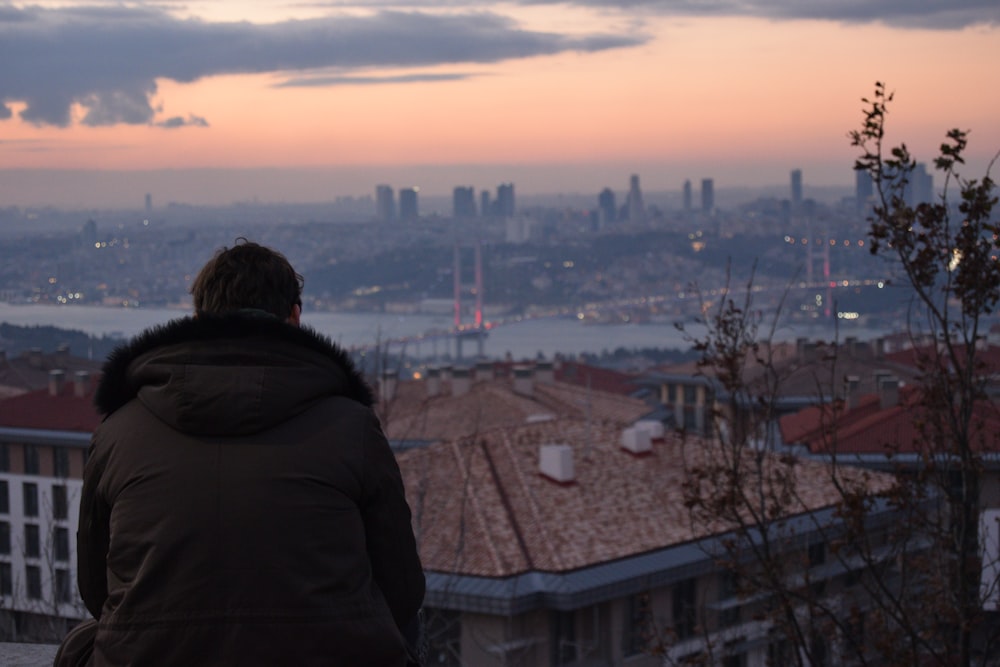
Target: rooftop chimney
(524,380)
(387,386)
(888,391)
(636,440)
(654,427)
(545,372)
(56,381)
(461,381)
(433,382)
(556,463)
(35,357)
(484,371)
(81,383)
(852,391)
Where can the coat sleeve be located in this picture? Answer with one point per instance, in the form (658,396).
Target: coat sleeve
(392,548)
(93,536)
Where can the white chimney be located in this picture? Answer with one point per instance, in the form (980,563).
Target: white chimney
(81,383)
(636,440)
(55,382)
(545,372)
(461,382)
(433,382)
(556,463)
(524,380)
(484,371)
(888,391)
(654,427)
(852,391)
(387,386)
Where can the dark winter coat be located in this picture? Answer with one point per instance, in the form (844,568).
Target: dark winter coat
(241,505)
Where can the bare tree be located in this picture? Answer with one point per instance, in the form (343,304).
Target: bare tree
(899,580)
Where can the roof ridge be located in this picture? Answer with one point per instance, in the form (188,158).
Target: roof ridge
(532,502)
(477,510)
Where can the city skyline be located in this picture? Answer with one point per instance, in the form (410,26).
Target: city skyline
(211,103)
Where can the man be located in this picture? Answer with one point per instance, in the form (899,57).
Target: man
(241,505)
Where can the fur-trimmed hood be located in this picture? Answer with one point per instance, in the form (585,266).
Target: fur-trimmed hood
(228,374)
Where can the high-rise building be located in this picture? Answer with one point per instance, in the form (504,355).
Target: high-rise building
(607,207)
(796,187)
(707,196)
(149,202)
(408,206)
(920,189)
(688,197)
(636,209)
(385,203)
(505,200)
(463,202)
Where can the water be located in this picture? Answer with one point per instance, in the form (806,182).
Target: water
(524,339)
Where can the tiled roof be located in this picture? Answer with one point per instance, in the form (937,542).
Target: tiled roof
(481,507)
(868,428)
(40,409)
(30,370)
(490,404)
(814,370)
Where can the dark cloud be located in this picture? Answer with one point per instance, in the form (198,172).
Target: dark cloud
(927,14)
(335,80)
(107,59)
(179,121)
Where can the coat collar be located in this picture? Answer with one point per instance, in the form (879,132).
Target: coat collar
(116,389)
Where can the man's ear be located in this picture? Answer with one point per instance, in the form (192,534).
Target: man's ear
(296,315)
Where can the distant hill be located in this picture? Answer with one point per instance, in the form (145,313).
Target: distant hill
(16,339)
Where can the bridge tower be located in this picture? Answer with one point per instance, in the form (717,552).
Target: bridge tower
(476,329)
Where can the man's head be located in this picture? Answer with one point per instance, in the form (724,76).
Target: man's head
(248,275)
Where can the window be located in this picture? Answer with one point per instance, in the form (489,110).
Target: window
(4,457)
(60,538)
(729,597)
(6,579)
(62,586)
(33,579)
(638,625)
(60,503)
(60,462)
(817,553)
(30,460)
(4,497)
(685,612)
(4,537)
(32,543)
(30,499)
(563,638)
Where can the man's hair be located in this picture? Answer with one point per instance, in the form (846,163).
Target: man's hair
(248,275)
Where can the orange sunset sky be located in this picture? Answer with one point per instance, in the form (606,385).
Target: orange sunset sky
(169,97)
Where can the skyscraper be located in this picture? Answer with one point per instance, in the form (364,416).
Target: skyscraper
(463,202)
(796,187)
(607,207)
(707,196)
(636,209)
(385,203)
(920,189)
(688,197)
(408,209)
(505,200)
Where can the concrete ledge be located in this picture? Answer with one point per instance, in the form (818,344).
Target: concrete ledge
(27,655)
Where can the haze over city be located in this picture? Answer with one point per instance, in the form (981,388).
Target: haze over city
(213,102)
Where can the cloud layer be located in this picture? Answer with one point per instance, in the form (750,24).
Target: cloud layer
(107,59)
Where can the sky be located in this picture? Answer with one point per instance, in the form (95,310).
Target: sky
(216,101)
